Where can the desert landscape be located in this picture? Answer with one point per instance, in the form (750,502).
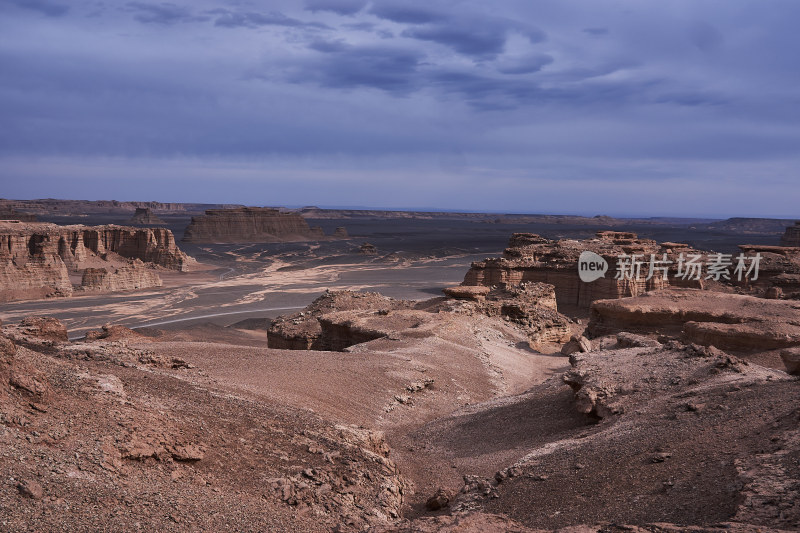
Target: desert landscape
(386,373)
(399,266)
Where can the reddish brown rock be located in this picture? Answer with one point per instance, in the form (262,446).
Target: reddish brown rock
(792,235)
(322,326)
(113,332)
(250,224)
(577,343)
(44,327)
(778,272)
(476,293)
(368,249)
(30,489)
(791,359)
(9,213)
(440,499)
(35,259)
(727,321)
(144,216)
(530,257)
(134,275)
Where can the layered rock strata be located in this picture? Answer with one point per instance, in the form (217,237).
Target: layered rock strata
(250,224)
(134,275)
(792,235)
(340,319)
(35,259)
(727,321)
(305,330)
(531,258)
(144,216)
(531,306)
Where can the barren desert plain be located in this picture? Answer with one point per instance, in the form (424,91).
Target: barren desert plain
(399,266)
(391,372)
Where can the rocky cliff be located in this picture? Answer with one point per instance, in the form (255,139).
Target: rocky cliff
(531,258)
(144,216)
(791,236)
(51,206)
(75,244)
(134,275)
(37,275)
(735,322)
(7,213)
(35,259)
(250,224)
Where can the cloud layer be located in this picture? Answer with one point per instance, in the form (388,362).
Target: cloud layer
(505,106)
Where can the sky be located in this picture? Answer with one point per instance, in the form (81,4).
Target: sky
(592,107)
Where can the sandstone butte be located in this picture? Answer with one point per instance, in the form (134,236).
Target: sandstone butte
(37,258)
(533,258)
(792,235)
(252,224)
(144,216)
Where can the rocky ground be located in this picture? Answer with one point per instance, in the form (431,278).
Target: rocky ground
(432,416)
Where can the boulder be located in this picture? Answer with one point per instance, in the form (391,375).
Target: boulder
(791,359)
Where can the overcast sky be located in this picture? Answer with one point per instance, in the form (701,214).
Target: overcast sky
(628,107)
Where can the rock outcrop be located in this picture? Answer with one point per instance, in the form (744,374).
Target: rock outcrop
(792,236)
(9,213)
(340,319)
(52,206)
(368,249)
(778,271)
(530,257)
(36,258)
(250,224)
(37,274)
(324,326)
(134,275)
(734,322)
(144,216)
(531,306)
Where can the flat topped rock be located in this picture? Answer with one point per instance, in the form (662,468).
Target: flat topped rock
(467,292)
(727,321)
(250,224)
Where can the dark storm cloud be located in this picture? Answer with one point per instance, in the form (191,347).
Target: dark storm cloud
(163,13)
(393,70)
(475,41)
(526,65)
(484,37)
(51,9)
(405,13)
(231,19)
(328,47)
(342,7)
(360,26)
(701,91)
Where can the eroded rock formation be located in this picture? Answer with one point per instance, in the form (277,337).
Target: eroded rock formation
(9,213)
(324,324)
(530,257)
(340,319)
(250,224)
(778,272)
(134,275)
(792,236)
(728,321)
(531,306)
(35,259)
(144,216)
